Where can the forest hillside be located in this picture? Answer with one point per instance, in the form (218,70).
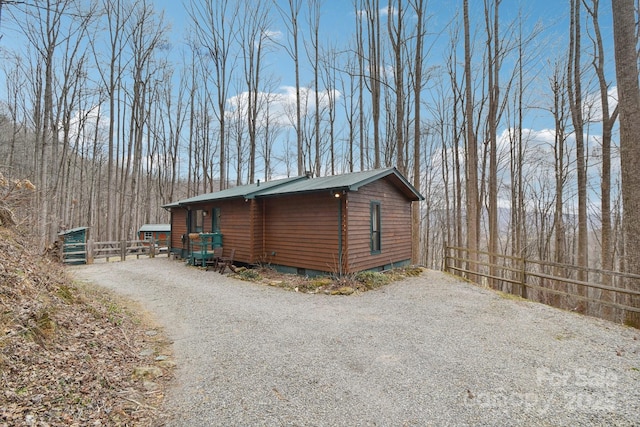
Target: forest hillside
(71,354)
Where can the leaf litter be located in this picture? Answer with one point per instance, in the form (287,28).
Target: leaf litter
(72,354)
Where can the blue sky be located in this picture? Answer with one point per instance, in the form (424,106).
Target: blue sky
(337,23)
(338,17)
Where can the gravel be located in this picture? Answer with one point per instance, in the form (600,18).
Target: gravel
(429,350)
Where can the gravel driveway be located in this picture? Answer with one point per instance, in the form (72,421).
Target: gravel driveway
(429,350)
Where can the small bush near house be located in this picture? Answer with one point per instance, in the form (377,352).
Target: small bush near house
(334,285)
(372,279)
(248,274)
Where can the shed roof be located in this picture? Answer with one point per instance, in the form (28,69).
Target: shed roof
(155,227)
(303,184)
(72,230)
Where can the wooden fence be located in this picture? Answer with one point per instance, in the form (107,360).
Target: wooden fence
(81,253)
(600,293)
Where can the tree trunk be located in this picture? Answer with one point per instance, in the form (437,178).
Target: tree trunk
(375,74)
(471,154)
(418,7)
(493,71)
(574,86)
(624,22)
(396,35)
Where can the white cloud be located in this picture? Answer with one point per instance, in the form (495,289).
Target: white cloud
(82,129)
(592,106)
(281,106)
(384,11)
(273,34)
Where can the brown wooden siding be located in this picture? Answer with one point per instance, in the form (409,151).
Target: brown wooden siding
(235,226)
(302,231)
(256,228)
(395,228)
(178,227)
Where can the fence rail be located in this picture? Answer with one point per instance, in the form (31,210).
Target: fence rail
(90,251)
(600,293)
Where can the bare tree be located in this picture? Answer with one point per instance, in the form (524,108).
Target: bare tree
(44,28)
(516,165)
(215,25)
(349,84)
(454,135)
(626,39)
(169,124)
(255,39)
(116,15)
(574,87)
(291,17)
(313,53)
(374,71)
(360,48)
(192,116)
(608,120)
(559,110)
(471,159)
(419,80)
(494,61)
(396,36)
(270,128)
(330,80)
(146,35)
(15,90)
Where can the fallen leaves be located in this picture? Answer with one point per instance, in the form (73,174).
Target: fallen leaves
(68,353)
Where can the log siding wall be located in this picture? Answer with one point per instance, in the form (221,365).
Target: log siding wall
(395,227)
(256,228)
(178,227)
(302,231)
(236,228)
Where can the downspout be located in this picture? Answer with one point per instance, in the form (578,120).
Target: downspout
(186,244)
(340,226)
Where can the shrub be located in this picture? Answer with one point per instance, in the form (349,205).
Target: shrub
(372,279)
(249,275)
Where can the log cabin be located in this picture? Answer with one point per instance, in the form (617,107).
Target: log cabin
(337,224)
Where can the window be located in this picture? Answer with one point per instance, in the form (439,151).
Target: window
(148,235)
(376,240)
(197,221)
(215,220)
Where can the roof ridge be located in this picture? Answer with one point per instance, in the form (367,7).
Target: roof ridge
(350,181)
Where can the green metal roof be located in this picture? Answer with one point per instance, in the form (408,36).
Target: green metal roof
(347,182)
(72,230)
(155,227)
(245,191)
(303,184)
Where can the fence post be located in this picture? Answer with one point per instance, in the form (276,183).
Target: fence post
(152,248)
(523,285)
(445,258)
(89,251)
(61,249)
(123,250)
